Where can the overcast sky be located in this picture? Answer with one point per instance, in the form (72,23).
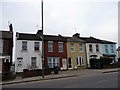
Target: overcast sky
(89,17)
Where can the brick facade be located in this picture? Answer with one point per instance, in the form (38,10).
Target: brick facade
(55,53)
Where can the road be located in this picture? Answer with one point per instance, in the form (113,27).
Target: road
(106,80)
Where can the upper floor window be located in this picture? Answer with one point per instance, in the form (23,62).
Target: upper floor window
(80,61)
(33,62)
(36,46)
(90,48)
(97,48)
(81,47)
(72,47)
(106,48)
(1,46)
(50,46)
(112,49)
(24,45)
(60,46)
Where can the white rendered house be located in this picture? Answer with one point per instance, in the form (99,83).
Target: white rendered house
(93,49)
(28,52)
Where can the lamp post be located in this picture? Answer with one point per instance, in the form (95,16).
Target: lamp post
(42,41)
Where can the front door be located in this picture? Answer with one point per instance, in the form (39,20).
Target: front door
(64,63)
(70,63)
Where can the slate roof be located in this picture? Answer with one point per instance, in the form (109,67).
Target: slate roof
(27,36)
(95,40)
(75,39)
(5,35)
(55,38)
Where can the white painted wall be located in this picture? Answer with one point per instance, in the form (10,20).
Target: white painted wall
(26,55)
(99,54)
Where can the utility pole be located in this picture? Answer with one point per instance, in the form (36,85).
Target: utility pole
(42,41)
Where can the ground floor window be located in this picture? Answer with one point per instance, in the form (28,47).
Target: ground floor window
(80,61)
(53,61)
(33,62)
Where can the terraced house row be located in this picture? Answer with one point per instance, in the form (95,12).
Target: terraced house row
(65,52)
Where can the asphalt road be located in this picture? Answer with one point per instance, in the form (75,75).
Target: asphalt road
(107,80)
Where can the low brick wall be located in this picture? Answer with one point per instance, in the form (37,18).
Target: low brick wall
(116,65)
(38,72)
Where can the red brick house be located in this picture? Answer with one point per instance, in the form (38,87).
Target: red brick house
(6,48)
(55,51)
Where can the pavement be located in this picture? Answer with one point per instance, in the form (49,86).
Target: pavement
(62,74)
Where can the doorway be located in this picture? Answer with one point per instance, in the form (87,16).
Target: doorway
(70,63)
(64,63)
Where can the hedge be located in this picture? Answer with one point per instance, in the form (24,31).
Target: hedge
(101,61)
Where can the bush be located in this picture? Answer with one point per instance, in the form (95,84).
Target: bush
(105,61)
(93,61)
(102,61)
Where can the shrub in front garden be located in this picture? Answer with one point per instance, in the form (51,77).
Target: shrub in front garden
(102,61)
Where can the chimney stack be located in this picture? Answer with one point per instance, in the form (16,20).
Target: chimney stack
(11,27)
(76,35)
(39,32)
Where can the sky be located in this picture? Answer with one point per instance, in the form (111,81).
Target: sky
(97,18)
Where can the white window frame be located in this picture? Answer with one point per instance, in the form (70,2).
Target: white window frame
(79,61)
(50,42)
(24,48)
(91,48)
(36,45)
(97,48)
(112,48)
(53,63)
(72,47)
(60,46)
(1,46)
(81,47)
(106,48)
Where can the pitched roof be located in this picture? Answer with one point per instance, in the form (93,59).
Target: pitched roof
(54,38)
(75,39)
(95,40)
(27,36)
(5,35)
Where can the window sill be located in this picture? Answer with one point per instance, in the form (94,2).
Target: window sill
(91,51)
(36,50)
(24,50)
(61,51)
(50,51)
(97,51)
(72,51)
(81,51)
